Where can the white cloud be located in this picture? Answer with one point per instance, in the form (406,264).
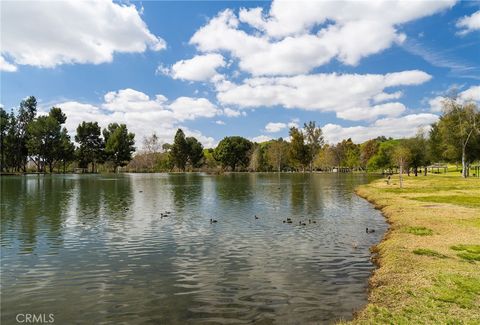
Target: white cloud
(142,115)
(351,96)
(5,66)
(233,113)
(220,122)
(261,138)
(187,108)
(472,93)
(469,24)
(396,127)
(436,104)
(347,31)
(273,127)
(199,68)
(66,32)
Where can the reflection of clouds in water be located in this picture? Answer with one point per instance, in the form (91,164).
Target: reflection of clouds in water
(182,268)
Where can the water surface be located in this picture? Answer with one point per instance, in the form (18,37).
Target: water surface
(94,249)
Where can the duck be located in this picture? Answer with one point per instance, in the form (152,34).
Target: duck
(369,231)
(309,220)
(256,217)
(213,220)
(313,221)
(289,220)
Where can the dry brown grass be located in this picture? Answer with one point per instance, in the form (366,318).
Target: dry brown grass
(435,285)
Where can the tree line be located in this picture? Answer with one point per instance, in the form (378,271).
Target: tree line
(454,138)
(42,141)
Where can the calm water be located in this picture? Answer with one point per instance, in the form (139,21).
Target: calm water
(94,249)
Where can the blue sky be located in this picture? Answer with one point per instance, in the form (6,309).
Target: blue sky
(249,68)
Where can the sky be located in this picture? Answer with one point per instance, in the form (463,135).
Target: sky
(216,68)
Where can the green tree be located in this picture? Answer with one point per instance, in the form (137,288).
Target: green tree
(26,114)
(459,127)
(383,158)
(277,154)
(195,152)
(367,150)
(4,126)
(418,147)
(233,151)
(91,149)
(119,144)
(299,151)
(402,156)
(179,150)
(314,140)
(44,140)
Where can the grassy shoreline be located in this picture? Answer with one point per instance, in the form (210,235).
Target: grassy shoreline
(429,260)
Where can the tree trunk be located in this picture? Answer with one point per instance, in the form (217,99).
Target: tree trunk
(464,163)
(401,177)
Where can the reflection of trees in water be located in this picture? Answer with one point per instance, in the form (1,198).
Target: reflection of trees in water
(235,187)
(186,190)
(32,204)
(117,195)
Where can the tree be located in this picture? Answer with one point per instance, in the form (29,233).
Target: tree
(326,158)
(276,153)
(314,140)
(179,150)
(4,126)
(367,150)
(195,152)
(65,152)
(299,151)
(418,149)
(383,158)
(91,149)
(458,127)
(26,114)
(257,159)
(119,144)
(43,141)
(233,151)
(401,155)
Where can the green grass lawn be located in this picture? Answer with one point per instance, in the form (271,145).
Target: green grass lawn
(429,261)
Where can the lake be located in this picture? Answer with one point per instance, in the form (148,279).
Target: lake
(94,249)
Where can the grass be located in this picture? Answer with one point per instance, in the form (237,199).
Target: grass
(415,284)
(468,252)
(419,231)
(428,252)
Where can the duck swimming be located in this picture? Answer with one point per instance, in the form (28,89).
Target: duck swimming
(213,220)
(369,231)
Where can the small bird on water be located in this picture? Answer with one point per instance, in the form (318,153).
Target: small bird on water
(369,231)
(213,220)
(256,217)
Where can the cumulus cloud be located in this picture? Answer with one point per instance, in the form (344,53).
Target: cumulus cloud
(347,31)
(5,66)
(199,68)
(396,127)
(66,32)
(273,127)
(261,138)
(469,24)
(142,114)
(233,113)
(351,96)
(470,94)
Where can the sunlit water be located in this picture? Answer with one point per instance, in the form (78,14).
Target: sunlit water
(94,249)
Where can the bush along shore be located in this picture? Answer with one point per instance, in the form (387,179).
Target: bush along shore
(429,260)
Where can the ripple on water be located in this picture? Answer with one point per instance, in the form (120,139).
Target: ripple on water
(101,253)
